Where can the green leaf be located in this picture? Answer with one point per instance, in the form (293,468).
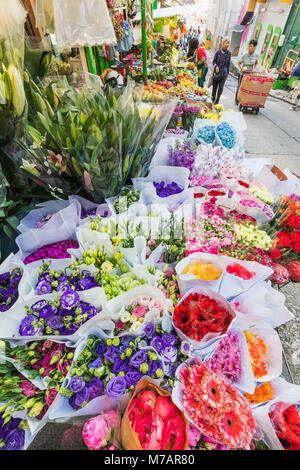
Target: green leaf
(13,221)
(8,231)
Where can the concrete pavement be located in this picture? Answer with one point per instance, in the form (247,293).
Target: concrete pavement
(273,133)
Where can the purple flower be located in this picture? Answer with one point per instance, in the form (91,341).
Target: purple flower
(37,306)
(173,369)
(133,378)
(95,364)
(55,322)
(169,354)
(72,402)
(96,388)
(100,348)
(4,279)
(82,397)
(125,340)
(149,329)
(43,287)
(47,312)
(62,278)
(15,440)
(116,387)
(69,299)
(46,277)
(157,343)
(63,287)
(112,354)
(138,358)
(120,365)
(168,340)
(85,284)
(153,366)
(15,282)
(26,328)
(76,384)
(89,310)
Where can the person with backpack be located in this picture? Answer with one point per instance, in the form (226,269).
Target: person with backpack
(296,73)
(202,64)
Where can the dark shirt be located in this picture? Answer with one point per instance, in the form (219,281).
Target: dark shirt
(222,61)
(296,70)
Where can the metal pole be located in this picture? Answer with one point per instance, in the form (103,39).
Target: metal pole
(144,38)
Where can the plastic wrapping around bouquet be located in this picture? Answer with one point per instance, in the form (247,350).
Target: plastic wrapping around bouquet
(117,306)
(273,359)
(29,436)
(280,386)
(232,286)
(162,154)
(183,135)
(290,394)
(10,263)
(89,239)
(103,403)
(109,201)
(31,274)
(39,382)
(245,382)
(225,136)
(262,212)
(88,205)
(177,393)
(129,437)
(265,304)
(209,338)
(188,281)
(167,174)
(31,220)
(62,226)
(10,321)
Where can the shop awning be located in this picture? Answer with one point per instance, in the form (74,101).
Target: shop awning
(173,11)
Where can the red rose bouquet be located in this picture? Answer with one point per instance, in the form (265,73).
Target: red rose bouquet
(199,315)
(285,419)
(152,421)
(214,406)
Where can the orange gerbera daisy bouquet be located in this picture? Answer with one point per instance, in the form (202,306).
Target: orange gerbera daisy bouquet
(214,406)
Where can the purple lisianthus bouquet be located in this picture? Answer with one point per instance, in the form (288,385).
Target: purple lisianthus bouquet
(183,154)
(50,281)
(110,367)
(12,434)
(164,190)
(63,316)
(9,283)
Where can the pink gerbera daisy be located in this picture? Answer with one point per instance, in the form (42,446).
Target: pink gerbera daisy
(213,391)
(231,429)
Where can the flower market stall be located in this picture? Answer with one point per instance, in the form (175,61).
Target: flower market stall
(141,306)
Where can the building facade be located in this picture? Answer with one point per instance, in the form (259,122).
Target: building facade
(266,21)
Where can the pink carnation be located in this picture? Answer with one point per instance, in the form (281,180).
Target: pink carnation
(139,312)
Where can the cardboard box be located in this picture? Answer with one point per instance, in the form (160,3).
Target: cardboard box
(254,90)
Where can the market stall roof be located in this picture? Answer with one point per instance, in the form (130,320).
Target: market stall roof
(172,11)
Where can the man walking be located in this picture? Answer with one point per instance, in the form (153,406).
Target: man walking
(296,73)
(247,64)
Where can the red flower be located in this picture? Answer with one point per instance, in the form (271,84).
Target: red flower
(198,315)
(275,254)
(293,221)
(284,239)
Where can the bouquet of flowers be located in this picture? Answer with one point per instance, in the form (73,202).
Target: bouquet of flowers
(202,316)
(62,316)
(9,282)
(152,421)
(214,406)
(98,432)
(285,418)
(12,432)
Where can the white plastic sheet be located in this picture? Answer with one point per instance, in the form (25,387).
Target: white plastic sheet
(84,23)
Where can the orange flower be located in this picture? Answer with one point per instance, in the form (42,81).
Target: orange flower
(204,271)
(257,352)
(264,392)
